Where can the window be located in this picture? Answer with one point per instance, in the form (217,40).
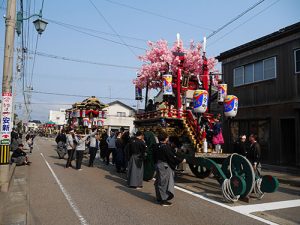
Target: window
(269,68)
(258,71)
(238,76)
(249,74)
(121,114)
(297,60)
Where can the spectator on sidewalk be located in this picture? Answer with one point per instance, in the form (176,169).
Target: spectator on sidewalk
(19,156)
(29,140)
(71,145)
(254,154)
(136,152)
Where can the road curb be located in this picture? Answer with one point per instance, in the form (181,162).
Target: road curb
(290,182)
(4,187)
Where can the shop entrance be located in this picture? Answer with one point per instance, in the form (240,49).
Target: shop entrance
(288,142)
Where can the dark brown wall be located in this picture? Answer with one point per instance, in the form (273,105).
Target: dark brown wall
(275,99)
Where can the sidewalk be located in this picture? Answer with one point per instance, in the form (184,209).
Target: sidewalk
(285,175)
(15,207)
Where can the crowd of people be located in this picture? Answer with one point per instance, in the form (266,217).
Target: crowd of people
(127,154)
(19,156)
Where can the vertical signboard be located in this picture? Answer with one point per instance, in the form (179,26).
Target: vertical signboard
(6,118)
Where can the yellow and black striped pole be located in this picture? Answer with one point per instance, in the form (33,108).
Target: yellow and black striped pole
(4,154)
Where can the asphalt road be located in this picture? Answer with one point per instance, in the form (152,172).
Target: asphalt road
(99,195)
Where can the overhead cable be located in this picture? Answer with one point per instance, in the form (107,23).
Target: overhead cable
(234,19)
(111,27)
(74,95)
(67,25)
(158,15)
(260,12)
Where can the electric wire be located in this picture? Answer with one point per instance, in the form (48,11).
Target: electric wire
(96,36)
(34,59)
(234,19)
(43,54)
(158,15)
(229,32)
(111,27)
(75,95)
(68,25)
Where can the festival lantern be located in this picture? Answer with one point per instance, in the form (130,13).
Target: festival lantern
(99,123)
(94,122)
(230,106)
(138,93)
(77,113)
(200,99)
(83,113)
(86,122)
(222,92)
(167,84)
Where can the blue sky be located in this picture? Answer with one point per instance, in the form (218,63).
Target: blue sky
(198,18)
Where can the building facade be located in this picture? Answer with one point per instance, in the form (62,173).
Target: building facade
(58,117)
(265,75)
(119,115)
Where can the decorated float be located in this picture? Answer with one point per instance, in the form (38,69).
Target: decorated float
(190,93)
(86,114)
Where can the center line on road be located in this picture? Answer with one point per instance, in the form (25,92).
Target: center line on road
(67,195)
(225,206)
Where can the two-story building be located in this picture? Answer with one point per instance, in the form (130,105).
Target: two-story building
(119,115)
(265,75)
(58,117)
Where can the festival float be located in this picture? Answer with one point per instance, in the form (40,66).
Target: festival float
(86,114)
(190,87)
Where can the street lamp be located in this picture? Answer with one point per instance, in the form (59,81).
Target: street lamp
(39,23)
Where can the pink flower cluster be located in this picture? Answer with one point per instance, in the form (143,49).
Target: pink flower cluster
(159,56)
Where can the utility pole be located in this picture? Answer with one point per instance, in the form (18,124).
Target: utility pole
(6,114)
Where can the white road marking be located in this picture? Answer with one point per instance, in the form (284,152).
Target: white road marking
(225,206)
(267,206)
(67,195)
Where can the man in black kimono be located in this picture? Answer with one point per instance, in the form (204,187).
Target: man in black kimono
(254,153)
(136,152)
(166,161)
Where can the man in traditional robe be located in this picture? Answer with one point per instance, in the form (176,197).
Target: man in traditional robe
(166,161)
(136,153)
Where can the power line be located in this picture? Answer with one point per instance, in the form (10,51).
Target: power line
(80,60)
(34,57)
(111,27)
(243,23)
(71,27)
(158,15)
(234,19)
(84,61)
(81,96)
(92,30)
